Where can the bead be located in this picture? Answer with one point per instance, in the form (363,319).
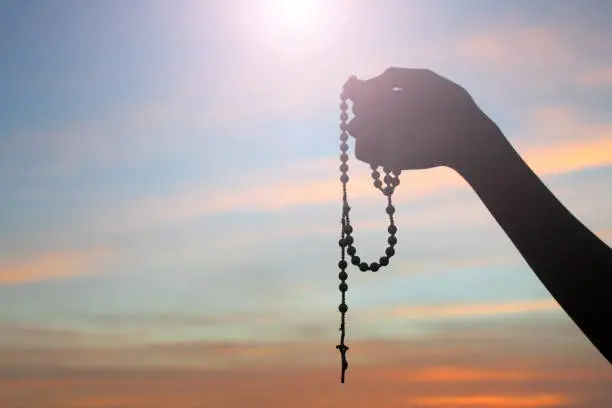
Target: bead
(343,287)
(342,276)
(342,242)
(355,260)
(397,172)
(388,191)
(387,170)
(342,264)
(392,229)
(348,229)
(343,308)
(351,250)
(344,167)
(392,240)
(343,127)
(377,183)
(344,157)
(343,105)
(344,178)
(343,147)
(374,266)
(343,136)
(384,261)
(375,174)
(390,252)
(363,267)
(390,209)
(374,166)
(349,240)
(343,116)
(388,179)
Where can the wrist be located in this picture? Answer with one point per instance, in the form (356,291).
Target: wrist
(486,154)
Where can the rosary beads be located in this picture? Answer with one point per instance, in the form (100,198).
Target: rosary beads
(346,242)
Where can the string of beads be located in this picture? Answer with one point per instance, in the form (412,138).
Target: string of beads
(347,241)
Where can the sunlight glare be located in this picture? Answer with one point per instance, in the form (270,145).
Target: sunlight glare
(294,27)
(296,12)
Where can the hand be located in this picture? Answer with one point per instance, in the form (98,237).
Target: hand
(415,119)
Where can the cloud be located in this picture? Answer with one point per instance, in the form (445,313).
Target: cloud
(50,265)
(494,401)
(515,48)
(556,140)
(552,158)
(49,337)
(439,370)
(470,310)
(550,145)
(571,156)
(601,76)
(453,374)
(606,236)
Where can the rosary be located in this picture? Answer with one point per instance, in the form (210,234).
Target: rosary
(346,242)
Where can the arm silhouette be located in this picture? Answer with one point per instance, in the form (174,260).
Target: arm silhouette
(572,263)
(410,119)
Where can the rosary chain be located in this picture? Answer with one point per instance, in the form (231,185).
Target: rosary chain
(391,181)
(346,242)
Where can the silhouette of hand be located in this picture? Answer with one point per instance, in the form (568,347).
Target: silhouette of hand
(414,119)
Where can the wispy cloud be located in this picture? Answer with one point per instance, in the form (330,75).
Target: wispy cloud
(436,371)
(50,265)
(601,76)
(515,47)
(494,401)
(454,374)
(545,156)
(571,156)
(471,310)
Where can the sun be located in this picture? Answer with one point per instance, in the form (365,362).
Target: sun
(292,27)
(296,12)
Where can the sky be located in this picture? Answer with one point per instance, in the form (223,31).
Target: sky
(170,205)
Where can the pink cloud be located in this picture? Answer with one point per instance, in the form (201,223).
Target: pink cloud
(50,265)
(515,47)
(596,77)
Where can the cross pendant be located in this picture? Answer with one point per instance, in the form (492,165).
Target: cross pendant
(343,349)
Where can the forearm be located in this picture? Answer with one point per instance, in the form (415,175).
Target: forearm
(573,264)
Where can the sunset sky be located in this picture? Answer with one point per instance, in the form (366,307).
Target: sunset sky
(170,203)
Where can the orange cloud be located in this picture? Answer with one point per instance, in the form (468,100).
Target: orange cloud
(466,373)
(571,156)
(433,371)
(51,265)
(559,142)
(493,401)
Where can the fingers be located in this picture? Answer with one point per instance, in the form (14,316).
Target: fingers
(395,77)
(404,78)
(376,108)
(368,96)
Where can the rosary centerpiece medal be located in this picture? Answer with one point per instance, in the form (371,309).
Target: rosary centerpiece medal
(348,251)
